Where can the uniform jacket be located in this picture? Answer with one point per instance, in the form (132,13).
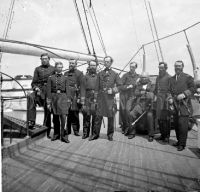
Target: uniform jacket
(184,84)
(89,84)
(107,79)
(129,79)
(75,79)
(89,91)
(58,94)
(143,96)
(162,93)
(125,94)
(40,78)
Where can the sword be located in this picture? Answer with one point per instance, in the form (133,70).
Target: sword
(139,118)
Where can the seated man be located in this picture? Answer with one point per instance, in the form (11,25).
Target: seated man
(142,107)
(38,96)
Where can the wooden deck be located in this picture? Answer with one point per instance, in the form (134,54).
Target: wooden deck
(101,165)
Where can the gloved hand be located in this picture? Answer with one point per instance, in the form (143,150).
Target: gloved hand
(115,90)
(110,91)
(170,101)
(198,90)
(180,96)
(155,98)
(137,81)
(129,86)
(37,89)
(49,107)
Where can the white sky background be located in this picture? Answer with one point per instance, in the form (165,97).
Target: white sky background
(123,23)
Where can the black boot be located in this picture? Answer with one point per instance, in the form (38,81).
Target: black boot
(65,139)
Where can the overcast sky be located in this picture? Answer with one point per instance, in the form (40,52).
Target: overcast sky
(123,23)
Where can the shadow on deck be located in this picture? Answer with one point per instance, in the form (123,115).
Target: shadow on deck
(101,165)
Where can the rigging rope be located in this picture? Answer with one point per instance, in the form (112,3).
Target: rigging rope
(167,36)
(82,28)
(88,27)
(97,28)
(154,24)
(170,35)
(131,59)
(134,25)
(151,30)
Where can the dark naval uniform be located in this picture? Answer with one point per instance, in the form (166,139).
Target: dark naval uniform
(143,102)
(90,105)
(106,80)
(58,95)
(75,85)
(40,78)
(184,83)
(125,94)
(162,112)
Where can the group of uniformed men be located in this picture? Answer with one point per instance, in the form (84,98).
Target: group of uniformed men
(66,94)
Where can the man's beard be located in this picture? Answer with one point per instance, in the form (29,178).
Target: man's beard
(45,63)
(72,69)
(132,71)
(162,73)
(92,71)
(178,71)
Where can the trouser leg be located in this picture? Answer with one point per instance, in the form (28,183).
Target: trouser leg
(75,121)
(161,127)
(110,130)
(56,122)
(97,125)
(94,117)
(47,119)
(132,116)
(86,124)
(150,124)
(183,130)
(31,107)
(166,129)
(63,121)
(69,122)
(176,126)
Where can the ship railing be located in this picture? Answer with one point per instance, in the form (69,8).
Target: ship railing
(4,98)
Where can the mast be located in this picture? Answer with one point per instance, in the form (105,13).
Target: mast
(196,71)
(161,53)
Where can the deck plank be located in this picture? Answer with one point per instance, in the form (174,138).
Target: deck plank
(101,165)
